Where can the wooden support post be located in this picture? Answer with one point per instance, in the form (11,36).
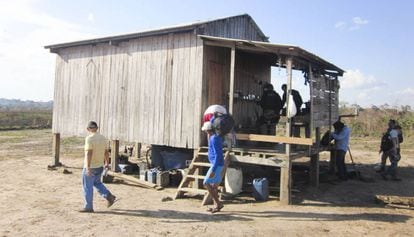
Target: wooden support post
(232,65)
(138,147)
(286,172)
(314,169)
(56,149)
(114,154)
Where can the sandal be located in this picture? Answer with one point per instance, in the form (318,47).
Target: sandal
(215,209)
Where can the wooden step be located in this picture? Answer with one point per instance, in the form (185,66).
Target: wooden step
(202,164)
(196,176)
(194,190)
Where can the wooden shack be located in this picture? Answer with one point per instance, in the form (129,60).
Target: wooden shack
(152,87)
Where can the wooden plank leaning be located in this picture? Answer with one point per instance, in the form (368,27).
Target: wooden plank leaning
(141,183)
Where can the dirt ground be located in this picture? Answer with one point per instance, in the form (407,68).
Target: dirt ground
(37,202)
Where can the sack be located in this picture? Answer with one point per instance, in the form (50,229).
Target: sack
(292,108)
(386,142)
(326,139)
(222,123)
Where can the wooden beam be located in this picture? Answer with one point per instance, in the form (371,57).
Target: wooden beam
(231,91)
(134,180)
(400,200)
(275,162)
(56,149)
(114,154)
(274,139)
(138,147)
(286,172)
(314,162)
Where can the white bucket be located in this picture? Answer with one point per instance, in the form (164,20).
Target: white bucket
(233,180)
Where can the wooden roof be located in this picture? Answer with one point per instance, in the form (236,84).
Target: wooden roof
(161,31)
(302,58)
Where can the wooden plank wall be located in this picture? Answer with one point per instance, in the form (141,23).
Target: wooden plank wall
(324,96)
(145,90)
(249,69)
(237,28)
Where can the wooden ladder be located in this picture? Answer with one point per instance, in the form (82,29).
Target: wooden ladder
(200,161)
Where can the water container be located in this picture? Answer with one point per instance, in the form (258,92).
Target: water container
(233,181)
(261,189)
(152,176)
(163,178)
(142,171)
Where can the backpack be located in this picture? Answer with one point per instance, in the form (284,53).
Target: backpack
(386,142)
(222,123)
(400,137)
(326,139)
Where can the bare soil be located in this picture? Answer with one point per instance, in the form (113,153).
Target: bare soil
(37,202)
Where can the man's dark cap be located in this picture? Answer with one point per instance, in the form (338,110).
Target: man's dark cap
(339,125)
(92,124)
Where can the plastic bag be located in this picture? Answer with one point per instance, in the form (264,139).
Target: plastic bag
(292,107)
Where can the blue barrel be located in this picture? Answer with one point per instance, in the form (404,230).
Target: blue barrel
(261,189)
(152,176)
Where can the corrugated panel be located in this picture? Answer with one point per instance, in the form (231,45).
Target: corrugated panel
(145,90)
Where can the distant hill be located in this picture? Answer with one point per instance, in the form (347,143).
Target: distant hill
(14,105)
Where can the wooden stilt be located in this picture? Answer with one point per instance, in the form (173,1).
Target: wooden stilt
(232,68)
(56,149)
(138,147)
(314,169)
(114,154)
(286,172)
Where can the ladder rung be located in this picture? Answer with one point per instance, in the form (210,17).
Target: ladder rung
(196,176)
(203,153)
(201,164)
(194,190)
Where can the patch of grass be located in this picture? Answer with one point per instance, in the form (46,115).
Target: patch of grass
(14,120)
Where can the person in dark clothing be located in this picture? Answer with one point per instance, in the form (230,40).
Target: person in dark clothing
(296,98)
(392,152)
(271,105)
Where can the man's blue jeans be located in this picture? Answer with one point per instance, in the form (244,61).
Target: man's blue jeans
(88,182)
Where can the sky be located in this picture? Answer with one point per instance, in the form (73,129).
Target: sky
(370,40)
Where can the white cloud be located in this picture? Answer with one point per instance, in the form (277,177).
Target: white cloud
(28,68)
(407,91)
(91,17)
(354,78)
(354,24)
(359,21)
(340,25)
